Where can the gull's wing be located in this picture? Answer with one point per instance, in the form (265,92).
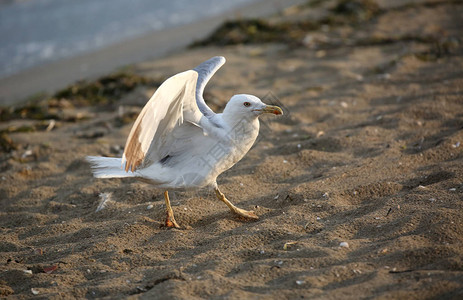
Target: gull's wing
(205,71)
(172,104)
(178,100)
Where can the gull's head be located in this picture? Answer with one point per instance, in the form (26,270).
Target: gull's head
(248,106)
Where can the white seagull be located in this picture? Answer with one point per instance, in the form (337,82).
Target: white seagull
(178,142)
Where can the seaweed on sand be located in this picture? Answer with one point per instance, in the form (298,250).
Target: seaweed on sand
(254,31)
(103,91)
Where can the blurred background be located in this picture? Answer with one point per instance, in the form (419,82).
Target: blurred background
(36,32)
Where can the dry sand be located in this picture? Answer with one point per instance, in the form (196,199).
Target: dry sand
(368,154)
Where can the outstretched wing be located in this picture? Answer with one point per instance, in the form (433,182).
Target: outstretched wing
(178,100)
(205,71)
(172,104)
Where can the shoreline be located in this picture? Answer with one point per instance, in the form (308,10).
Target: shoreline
(50,77)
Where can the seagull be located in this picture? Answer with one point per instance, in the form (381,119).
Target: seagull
(178,143)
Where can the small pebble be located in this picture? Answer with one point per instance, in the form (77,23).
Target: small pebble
(150,206)
(344,244)
(285,161)
(27,153)
(299,282)
(51,125)
(299,146)
(307,40)
(320,133)
(28,272)
(116,149)
(320,53)
(384,76)
(34,291)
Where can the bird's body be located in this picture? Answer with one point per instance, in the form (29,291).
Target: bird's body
(195,168)
(178,142)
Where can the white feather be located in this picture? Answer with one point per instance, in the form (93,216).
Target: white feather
(107,167)
(105,199)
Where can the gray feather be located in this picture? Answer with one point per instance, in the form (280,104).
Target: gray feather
(205,71)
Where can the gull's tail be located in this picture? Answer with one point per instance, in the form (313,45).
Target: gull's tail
(108,167)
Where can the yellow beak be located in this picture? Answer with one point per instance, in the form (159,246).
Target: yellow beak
(270,109)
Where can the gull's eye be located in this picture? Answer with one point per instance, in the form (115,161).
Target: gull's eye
(247,104)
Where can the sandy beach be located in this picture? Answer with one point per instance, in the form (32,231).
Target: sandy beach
(359,186)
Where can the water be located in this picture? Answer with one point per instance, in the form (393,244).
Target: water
(37,31)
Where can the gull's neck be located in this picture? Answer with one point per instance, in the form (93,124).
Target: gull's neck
(236,120)
(242,130)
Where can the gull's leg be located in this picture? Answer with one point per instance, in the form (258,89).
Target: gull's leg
(236,210)
(170,220)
